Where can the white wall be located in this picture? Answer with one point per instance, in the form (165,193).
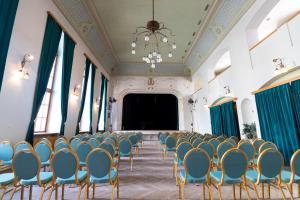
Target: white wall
(249,69)
(16,96)
(181,87)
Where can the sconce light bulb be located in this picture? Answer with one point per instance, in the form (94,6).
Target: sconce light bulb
(26,76)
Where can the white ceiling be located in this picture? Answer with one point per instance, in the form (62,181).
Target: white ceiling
(107,26)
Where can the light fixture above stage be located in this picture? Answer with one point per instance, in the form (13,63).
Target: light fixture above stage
(23,72)
(154,36)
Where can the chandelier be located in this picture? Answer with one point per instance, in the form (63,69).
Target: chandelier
(154,37)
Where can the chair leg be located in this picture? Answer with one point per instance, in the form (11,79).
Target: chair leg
(203,191)
(94,188)
(131,163)
(241,191)
(263,190)
(113,193)
(233,189)
(220,192)
(12,193)
(22,193)
(289,189)
(282,193)
(50,192)
(269,191)
(179,191)
(30,192)
(118,185)
(3,193)
(210,192)
(256,192)
(42,192)
(247,192)
(62,192)
(56,192)
(182,191)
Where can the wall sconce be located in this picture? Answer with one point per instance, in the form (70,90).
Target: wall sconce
(97,102)
(23,73)
(205,104)
(280,67)
(112,100)
(227,91)
(76,91)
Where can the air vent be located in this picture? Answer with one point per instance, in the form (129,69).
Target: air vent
(206,7)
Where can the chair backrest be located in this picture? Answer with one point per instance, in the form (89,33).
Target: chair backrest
(82,150)
(236,140)
(65,164)
(43,150)
(171,142)
(74,143)
(111,141)
(99,163)
(270,163)
(60,139)
(125,146)
(234,163)
(133,139)
(295,165)
(6,151)
(47,141)
(182,149)
(100,139)
(215,143)
(108,147)
(61,145)
(196,142)
(208,148)
(26,165)
(267,145)
(94,142)
(257,143)
(23,145)
(197,163)
(222,148)
(232,141)
(248,149)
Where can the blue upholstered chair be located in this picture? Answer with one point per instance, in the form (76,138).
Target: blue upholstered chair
(7,180)
(100,139)
(82,150)
(215,143)
(6,153)
(266,145)
(232,141)
(196,170)
(60,139)
(94,142)
(65,167)
(162,138)
(222,148)
(111,150)
(269,166)
(23,145)
(208,148)
(126,151)
(181,151)
(196,142)
(288,178)
(74,142)
(26,166)
(44,151)
(236,140)
(170,146)
(101,171)
(221,138)
(234,164)
(61,145)
(257,143)
(134,142)
(249,150)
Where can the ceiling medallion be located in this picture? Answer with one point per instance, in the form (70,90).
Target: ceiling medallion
(155,36)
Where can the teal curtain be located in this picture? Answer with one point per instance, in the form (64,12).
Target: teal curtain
(8,10)
(92,97)
(103,80)
(83,94)
(230,120)
(216,120)
(68,54)
(105,104)
(49,50)
(276,119)
(295,93)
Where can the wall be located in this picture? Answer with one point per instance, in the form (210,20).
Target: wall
(16,96)
(181,87)
(250,69)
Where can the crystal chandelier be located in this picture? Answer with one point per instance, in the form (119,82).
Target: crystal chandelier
(154,36)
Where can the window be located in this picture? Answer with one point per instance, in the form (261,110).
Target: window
(47,119)
(101,125)
(85,119)
(223,63)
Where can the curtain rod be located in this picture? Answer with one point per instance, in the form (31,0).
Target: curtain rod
(61,26)
(276,85)
(227,101)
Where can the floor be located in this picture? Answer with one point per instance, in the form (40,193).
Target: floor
(151,179)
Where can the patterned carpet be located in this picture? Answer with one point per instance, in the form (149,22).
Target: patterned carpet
(151,179)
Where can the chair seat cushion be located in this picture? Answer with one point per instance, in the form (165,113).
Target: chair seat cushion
(81,175)
(46,163)
(105,179)
(217,177)
(45,177)
(286,177)
(216,161)
(252,176)
(191,179)
(124,154)
(6,179)
(82,164)
(6,162)
(170,149)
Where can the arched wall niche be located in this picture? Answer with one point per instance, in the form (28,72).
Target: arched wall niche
(118,109)
(247,111)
